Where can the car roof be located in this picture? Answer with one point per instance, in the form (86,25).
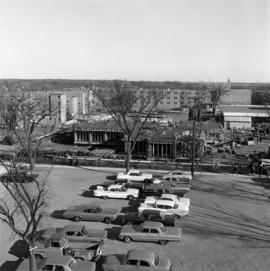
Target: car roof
(115,186)
(134,171)
(171,196)
(58,259)
(141,255)
(74,227)
(164,202)
(84,206)
(152,224)
(150,212)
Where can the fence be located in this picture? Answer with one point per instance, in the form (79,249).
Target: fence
(141,164)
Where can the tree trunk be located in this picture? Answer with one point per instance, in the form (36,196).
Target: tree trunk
(30,156)
(31,161)
(128,155)
(214,110)
(32,260)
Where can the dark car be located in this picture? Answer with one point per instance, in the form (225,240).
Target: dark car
(91,212)
(136,218)
(157,189)
(19,176)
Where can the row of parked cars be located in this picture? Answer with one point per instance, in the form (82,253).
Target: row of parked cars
(77,247)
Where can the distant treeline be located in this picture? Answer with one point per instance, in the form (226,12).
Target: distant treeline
(47,84)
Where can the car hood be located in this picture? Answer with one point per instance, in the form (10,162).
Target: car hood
(83,266)
(164,263)
(97,233)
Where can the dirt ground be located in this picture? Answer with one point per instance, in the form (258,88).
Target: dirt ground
(228,227)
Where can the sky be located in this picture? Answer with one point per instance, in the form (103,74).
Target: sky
(176,40)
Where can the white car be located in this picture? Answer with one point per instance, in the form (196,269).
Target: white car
(166,207)
(184,202)
(117,191)
(134,175)
(180,174)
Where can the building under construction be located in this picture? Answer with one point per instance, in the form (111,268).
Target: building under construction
(154,142)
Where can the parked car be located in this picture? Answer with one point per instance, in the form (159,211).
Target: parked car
(136,218)
(58,244)
(137,260)
(165,187)
(184,202)
(91,212)
(176,179)
(78,233)
(134,175)
(165,206)
(22,176)
(58,263)
(150,231)
(173,187)
(116,191)
(180,174)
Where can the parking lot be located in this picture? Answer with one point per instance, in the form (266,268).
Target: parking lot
(228,227)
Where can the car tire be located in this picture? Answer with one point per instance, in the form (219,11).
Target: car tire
(107,220)
(68,251)
(130,197)
(163,242)
(77,218)
(127,239)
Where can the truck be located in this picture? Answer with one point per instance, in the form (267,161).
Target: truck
(58,244)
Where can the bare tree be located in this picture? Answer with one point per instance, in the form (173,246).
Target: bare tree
(130,107)
(26,112)
(217,92)
(24,205)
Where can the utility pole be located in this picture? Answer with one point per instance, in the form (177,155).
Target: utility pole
(193,138)
(192,148)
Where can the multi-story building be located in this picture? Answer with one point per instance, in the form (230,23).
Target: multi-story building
(58,107)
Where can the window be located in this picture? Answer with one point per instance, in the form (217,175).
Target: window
(145,230)
(175,97)
(48,267)
(175,102)
(55,244)
(167,207)
(59,268)
(168,102)
(153,231)
(132,262)
(144,263)
(175,92)
(70,233)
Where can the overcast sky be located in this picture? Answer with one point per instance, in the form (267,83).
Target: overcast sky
(183,40)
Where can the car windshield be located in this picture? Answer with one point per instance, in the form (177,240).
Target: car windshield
(162,229)
(71,263)
(99,210)
(62,242)
(138,228)
(175,206)
(84,230)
